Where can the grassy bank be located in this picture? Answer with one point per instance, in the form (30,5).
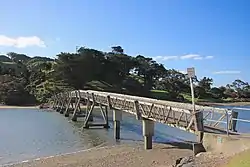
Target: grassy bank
(164,95)
(240,160)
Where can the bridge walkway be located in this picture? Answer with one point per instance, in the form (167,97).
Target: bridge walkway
(180,115)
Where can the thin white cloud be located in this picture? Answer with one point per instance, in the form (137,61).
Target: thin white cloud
(209,57)
(227,72)
(166,57)
(170,57)
(184,57)
(198,58)
(21,42)
(191,56)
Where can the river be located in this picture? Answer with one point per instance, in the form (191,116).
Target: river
(31,133)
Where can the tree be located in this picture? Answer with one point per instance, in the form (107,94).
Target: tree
(239,86)
(149,70)
(206,83)
(174,82)
(217,92)
(78,69)
(12,91)
(117,50)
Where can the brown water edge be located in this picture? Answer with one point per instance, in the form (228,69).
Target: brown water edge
(21,107)
(224,104)
(126,155)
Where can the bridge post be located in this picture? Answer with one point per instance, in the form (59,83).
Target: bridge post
(233,123)
(89,112)
(64,98)
(77,102)
(53,102)
(106,118)
(66,114)
(199,125)
(148,133)
(117,118)
(59,103)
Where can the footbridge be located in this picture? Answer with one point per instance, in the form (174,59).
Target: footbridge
(202,120)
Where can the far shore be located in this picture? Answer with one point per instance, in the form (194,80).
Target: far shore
(224,104)
(29,107)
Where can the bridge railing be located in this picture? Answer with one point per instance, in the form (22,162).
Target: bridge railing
(232,121)
(172,113)
(140,107)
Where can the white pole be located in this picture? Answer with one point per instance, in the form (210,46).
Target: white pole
(192,93)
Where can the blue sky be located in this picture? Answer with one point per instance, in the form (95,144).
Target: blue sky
(212,36)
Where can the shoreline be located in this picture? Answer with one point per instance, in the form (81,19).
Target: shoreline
(123,155)
(101,146)
(238,104)
(16,107)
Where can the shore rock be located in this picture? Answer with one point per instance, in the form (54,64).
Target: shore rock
(184,162)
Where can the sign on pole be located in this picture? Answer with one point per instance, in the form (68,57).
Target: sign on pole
(191,72)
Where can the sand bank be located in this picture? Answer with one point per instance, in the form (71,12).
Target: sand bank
(7,107)
(126,155)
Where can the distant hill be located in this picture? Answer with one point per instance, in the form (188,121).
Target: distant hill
(42,58)
(19,62)
(4,58)
(18,57)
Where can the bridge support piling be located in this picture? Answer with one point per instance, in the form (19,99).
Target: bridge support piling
(104,113)
(117,118)
(64,103)
(89,113)
(58,106)
(66,113)
(233,123)
(77,107)
(148,133)
(106,118)
(199,129)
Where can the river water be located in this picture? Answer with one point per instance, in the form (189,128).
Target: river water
(31,133)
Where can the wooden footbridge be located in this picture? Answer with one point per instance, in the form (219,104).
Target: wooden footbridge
(180,115)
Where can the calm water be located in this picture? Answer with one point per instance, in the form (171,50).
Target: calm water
(31,133)
(242,127)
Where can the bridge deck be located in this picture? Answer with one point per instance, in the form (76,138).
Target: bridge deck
(174,114)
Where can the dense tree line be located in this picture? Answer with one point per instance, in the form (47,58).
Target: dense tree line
(26,80)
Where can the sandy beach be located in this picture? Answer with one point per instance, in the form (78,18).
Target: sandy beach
(7,107)
(126,155)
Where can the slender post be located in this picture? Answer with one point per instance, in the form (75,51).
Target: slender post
(107,118)
(233,121)
(148,133)
(192,93)
(117,117)
(227,123)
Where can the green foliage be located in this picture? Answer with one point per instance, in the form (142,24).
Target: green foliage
(239,160)
(26,80)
